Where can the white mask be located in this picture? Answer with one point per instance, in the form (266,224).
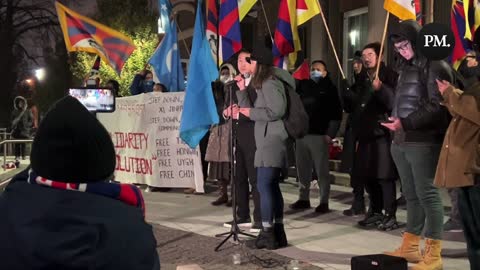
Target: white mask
(225,78)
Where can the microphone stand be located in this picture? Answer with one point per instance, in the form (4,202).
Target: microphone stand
(234,230)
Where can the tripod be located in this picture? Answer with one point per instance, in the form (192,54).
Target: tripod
(234,230)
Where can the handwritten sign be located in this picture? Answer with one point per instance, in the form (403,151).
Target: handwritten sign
(145,133)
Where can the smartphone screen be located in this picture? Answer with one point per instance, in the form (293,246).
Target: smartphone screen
(94,99)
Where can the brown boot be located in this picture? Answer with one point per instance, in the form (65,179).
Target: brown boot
(432,259)
(410,248)
(223,198)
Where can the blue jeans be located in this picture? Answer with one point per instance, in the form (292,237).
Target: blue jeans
(416,166)
(271,199)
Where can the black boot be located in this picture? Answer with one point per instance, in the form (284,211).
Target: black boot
(223,198)
(358,208)
(266,239)
(279,231)
(371,219)
(389,223)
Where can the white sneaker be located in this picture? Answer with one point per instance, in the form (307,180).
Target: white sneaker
(240,224)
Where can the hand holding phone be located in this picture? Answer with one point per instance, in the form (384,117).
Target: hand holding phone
(387,121)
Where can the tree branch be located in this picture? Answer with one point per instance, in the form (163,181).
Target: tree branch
(25,52)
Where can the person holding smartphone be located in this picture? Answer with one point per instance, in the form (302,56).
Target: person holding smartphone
(419,123)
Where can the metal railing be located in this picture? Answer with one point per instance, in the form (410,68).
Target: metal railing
(4,135)
(9,142)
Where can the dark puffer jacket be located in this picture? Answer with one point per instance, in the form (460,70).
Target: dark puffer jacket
(417,99)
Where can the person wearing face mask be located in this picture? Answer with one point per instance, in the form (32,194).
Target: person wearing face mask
(218,148)
(469,71)
(322,104)
(142,83)
(458,164)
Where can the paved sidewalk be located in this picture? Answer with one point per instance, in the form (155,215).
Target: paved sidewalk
(327,241)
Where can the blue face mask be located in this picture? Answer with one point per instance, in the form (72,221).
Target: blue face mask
(149,85)
(315,75)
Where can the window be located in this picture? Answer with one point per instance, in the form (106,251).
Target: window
(355,33)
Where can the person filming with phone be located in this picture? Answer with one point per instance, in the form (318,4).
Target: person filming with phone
(64,212)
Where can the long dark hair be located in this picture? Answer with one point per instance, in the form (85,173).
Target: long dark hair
(262,73)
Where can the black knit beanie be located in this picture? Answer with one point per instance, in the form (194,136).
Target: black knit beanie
(262,54)
(72,146)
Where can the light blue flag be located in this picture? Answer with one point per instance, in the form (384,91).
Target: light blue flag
(166,61)
(199,110)
(165,9)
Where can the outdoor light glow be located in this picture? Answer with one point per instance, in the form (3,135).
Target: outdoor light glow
(161,26)
(353,37)
(40,74)
(29,81)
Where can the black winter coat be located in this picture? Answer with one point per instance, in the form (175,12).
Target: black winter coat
(46,228)
(321,103)
(367,107)
(418,102)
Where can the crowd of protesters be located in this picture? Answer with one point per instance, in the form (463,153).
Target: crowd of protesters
(417,124)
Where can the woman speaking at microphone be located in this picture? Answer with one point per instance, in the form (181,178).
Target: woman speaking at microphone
(270,138)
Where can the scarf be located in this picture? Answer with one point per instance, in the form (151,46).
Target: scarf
(126,193)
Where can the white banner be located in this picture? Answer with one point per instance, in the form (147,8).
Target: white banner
(145,132)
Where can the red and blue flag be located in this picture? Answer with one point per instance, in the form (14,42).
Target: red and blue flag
(286,35)
(462,24)
(212,28)
(229,29)
(84,34)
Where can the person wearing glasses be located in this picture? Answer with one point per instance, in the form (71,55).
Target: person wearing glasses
(419,123)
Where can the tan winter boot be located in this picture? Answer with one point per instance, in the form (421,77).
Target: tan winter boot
(432,259)
(410,248)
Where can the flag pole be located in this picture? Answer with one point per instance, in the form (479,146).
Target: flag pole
(331,40)
(382,45)
(217,8)
(183,39)
(268,25)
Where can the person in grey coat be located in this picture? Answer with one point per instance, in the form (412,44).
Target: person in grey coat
(271,140)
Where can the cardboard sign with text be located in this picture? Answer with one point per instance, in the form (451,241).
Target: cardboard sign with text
(145,132)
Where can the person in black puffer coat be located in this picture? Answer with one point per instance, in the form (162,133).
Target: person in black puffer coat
(419,123)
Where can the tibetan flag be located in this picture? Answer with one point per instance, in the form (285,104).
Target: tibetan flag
(212,27)
(244,7)
(403,9)
(459,28)
(165,9)
(306,9)
(84,34)
(418,11)
(476,15)
(229,29)
(286,33)
(199,109)
(166,61)
(302,72)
